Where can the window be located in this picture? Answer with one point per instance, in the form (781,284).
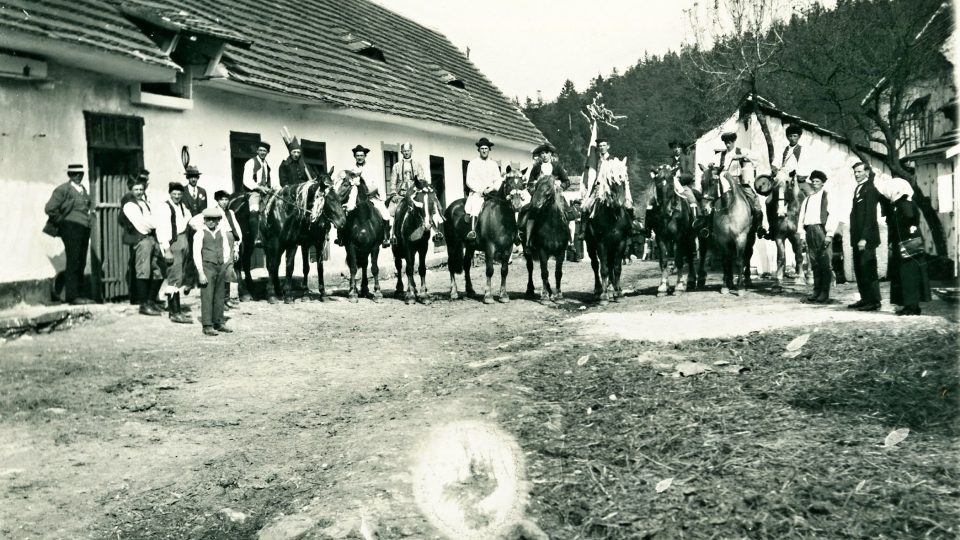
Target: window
(315,155)
(243,146)
(437,177)
(390,158)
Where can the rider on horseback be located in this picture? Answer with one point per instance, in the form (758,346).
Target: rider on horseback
(791,167)
(543,167)
(259,182)
(354,175)
(403,180)
(736,165)
(483,176)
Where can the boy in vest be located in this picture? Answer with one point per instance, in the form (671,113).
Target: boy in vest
(818,226)
(211,253)
(230,224)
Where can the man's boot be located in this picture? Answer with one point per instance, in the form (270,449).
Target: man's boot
(173,309)
(143,292)
(255,228)
(155,285)
(340,240)
(472,235)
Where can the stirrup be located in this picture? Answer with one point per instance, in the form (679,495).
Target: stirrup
(472,235)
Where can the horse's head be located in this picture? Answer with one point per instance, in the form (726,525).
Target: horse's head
(613,178)
(544,191)
(663,180)
(710,181)
(327,205)
(512,189)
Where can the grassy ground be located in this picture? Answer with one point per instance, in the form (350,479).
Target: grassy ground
(790,448)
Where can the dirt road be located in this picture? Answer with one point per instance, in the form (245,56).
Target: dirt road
(309,420)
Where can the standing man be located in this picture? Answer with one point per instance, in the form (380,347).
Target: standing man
(293,170)
(211,253)
(194,196)
(171,221)
(230,225)
(865,237)
(909,283)
(70,210)
(258,181)
(483,176)
(136,219)
(368,175)
(738,166)
(818,225)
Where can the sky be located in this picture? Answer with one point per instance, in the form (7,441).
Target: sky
(525,46)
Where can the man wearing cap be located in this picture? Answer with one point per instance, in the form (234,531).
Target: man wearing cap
(817,226)
(401,181)
(194,196)
(369,176)
(543,167)
(865,238)
(258,180)
(483,176)
(293,170)
(171,221)
(231,226)
(70,211)
(791,162)
(212,255)
(137,221)
(681,161)
(737,165)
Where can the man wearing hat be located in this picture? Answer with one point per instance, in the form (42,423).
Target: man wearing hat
(70,215)
(483,176)
(737,166)
(171,221)
(212,255)
(817,226)
(543,167)
(194,196)
(137,221)
(792,162)
(369,175)
(681,161)
(258,180)
(231,226)
(293,170)
(402,177)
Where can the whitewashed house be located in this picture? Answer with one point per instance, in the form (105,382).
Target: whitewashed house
(124,85)
(832,156)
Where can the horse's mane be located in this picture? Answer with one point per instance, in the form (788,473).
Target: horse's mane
(612,182)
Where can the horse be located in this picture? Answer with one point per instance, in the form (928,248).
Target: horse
(297,215)
(363,233)
(496,230)
(550,236)
(675,234)
(786,228)
(733,228)
(607,229)
(413,240)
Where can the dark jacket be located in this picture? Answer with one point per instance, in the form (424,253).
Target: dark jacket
(557,172)
(863,215)
(68,204)
(686,162)
(195,205)
(293,172)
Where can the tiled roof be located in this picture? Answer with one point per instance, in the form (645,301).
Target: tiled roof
(935,147)
(308,49)
(93,24)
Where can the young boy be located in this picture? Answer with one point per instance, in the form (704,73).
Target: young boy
(212,255)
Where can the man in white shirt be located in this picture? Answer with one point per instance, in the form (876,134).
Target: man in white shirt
(737,165)
(796,159)
(483,176)
(259,180)
(817,226)
(370,177)
(138,224)
(171,221)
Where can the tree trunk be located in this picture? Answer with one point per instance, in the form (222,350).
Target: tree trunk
(764,128)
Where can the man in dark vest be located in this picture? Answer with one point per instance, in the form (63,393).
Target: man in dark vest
(293,170)
(194,196)
(230,224)
(258,180)
(681,159)
(211,255)
(865,237)
(172,217)
(70,214)
(818,225)
(136,220)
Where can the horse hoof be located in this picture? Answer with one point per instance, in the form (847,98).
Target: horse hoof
(724,290)
(246,298)
(352,297)
(427,300)
(454,296)
(272,299)
(531,293)
(504,298)
(558,297)
(470,292)
(287,300)
(604,302)
(488,299)
(701,283)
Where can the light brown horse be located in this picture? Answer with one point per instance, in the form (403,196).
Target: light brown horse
(784,228)
(733,228)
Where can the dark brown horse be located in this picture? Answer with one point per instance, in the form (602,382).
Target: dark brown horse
(297,215)
(363,233)
(606,232)
(785,227)
(676,236)
(733,228)
(413,241)
(496,230)
(550,236)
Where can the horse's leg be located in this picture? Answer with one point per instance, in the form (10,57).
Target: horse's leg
(246,256)
(364,282)
(746,255)
(797,246)
(679,257)
(595,265)
(547,291)
(272,256)
(375,270)
(504,296)
(422,270)
(488,260)
(615,278)
(398,264)
(467,265)
(531,291)
(738,264)
(781,263)
(321,287)
(604,256)
(290,257)
(305,256)
(726,261)
(558,275)
(702,247)
(352,265)
(410,258)
(664,268)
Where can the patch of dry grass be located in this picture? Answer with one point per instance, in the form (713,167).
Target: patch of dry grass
(792,448)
